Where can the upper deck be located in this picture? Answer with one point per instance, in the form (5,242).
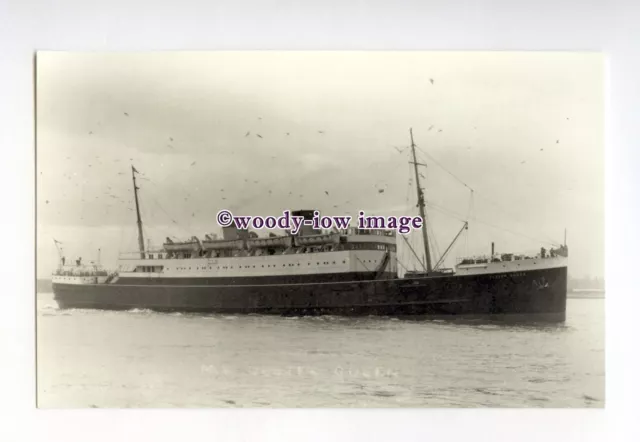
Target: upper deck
(509,262)
(79,274)
(252,245)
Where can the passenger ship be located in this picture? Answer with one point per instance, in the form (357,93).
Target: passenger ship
(341,272)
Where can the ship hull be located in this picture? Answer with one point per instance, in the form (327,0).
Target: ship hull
(538,295)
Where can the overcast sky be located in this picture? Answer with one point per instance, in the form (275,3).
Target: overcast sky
(524,130)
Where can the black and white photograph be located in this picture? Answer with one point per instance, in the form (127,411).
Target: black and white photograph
(320,229)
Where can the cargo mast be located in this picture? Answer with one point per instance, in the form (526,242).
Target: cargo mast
(421,205)
(135,193)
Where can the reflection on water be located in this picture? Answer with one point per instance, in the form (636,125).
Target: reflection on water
(139,358)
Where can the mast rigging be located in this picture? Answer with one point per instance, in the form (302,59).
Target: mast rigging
(446,252)
(421,204)
(139,221)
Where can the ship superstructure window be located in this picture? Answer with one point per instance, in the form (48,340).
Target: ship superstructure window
(148,269)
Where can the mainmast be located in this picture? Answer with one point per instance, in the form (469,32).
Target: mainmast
(421,205)
(135,193)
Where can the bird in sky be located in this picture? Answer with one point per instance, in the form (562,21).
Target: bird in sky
(380,190)
(126,114)
(431,80)
(320,131)
(259,136)
(247,134)
(326,192)
(430,127)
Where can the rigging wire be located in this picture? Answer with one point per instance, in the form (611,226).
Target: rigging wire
(405,252)
(513,232)
(548,240)
(443,168)
(401,265)
(471,210)
(514,217)
(154,200)
(434,243)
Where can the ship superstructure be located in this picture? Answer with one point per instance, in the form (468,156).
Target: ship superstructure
(349,272)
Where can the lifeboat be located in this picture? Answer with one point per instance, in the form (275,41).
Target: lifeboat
(278,241)
(222,244)
(314,240)
(192,245)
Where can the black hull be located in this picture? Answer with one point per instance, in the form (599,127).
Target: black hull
(538,295)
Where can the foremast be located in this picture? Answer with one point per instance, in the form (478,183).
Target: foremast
(421,205)
(139,220)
